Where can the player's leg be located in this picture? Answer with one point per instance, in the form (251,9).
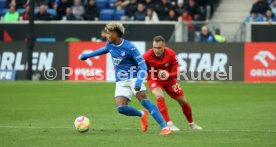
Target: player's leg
(122,97)
(146,103)
(186,108)
(123,108)
(176,92)
(187,111)
(157,91)
(155,113)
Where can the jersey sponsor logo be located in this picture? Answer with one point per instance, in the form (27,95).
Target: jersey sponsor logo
(167,64)
(123,53)
(117,61)
(199,62)
(16,61)
(260,62)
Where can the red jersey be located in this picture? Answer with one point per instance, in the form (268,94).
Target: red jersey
(168,62)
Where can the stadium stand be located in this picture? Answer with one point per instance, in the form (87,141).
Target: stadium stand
(117,9)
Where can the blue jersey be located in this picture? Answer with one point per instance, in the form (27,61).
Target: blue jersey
(125,58)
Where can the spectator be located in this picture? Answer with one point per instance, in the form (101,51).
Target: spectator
(172,16)
(12,15)
(149,4)
(260,7)
(206,36)
(179,7)
(119,4)
(131,8)
(270,1)
(61,8)
(69,15)
(269,16)
(185,17)
(42,14)
(218,36)
(203,13)
(91,11)
(192,8)
(78,9)
(197,26)
(18,3)
(151,16)
(25,15)
(253,17)
(47,3)
(140,15)
(163,9)
(273,7)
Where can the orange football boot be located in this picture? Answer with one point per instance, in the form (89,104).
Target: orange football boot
(144,121)
(166,131)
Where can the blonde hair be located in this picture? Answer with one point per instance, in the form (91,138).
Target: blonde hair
(115,27)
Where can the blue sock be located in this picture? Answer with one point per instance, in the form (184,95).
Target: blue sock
(129,111)
(154,112)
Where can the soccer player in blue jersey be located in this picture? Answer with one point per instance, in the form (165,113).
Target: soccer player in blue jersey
(130,69)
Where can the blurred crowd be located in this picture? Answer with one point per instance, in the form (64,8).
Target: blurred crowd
(138,10)
(262,11)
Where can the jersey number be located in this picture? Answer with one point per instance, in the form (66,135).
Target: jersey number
(176,87)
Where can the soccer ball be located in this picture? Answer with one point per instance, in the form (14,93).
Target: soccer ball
(82,124)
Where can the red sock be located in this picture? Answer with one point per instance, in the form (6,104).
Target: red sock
(163,109)
(187,111)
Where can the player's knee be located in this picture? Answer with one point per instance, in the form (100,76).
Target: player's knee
(141,95)
(159,95)
(122,110)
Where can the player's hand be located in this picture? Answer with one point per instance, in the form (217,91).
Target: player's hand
(137,88)
(163,75)
(82,57)
(138,85)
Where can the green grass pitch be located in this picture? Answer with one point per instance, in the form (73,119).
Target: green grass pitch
(41,114)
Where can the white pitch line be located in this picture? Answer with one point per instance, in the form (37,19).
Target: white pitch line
(204,130)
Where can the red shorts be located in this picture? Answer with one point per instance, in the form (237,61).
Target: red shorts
(171,87)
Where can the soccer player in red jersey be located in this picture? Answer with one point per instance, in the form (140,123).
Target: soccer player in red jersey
(162,75)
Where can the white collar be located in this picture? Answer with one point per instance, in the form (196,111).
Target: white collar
(120,43)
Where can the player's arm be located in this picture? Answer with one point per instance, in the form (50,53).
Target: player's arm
(174,64)
(142,68)
(98,52)
(174,72)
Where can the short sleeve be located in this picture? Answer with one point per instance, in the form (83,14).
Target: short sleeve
(174,59)
(136,55)
(107,47)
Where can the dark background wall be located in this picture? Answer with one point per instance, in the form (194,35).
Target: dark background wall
(85,32)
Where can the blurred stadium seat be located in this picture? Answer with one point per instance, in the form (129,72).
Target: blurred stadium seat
(4,11)
(20,11)
(46,39)
(102,4)
(2,4)
(107,14)
(111,3)
(118,14)
(52,12)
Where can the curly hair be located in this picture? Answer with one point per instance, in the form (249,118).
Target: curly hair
(115,27)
